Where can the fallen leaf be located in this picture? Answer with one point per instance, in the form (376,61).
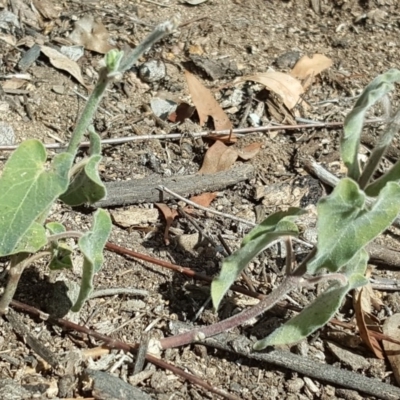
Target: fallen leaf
(9,39)
(392,350)
(307,68)
(46,9)
(169,216)
(62,62)
(182,112)
(203,199)
(134,216)
(249,151)
(205,104)
(91,34)
(218,157)
(14,83)
(367,338)
(285,85)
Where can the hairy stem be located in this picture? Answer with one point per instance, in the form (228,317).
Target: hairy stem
(18,263)
(289,283)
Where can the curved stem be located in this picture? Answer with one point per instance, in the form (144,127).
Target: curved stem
(65,235)
(290,283)
(18,264)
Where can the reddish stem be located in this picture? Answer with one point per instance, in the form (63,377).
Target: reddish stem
(201,333)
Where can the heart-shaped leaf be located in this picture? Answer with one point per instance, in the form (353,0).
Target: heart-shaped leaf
(86,185)
(28,187)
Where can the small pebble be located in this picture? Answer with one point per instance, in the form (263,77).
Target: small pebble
(152,71)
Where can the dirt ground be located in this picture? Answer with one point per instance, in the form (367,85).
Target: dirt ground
(242,38)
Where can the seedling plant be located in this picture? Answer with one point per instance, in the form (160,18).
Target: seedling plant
(29,187)
(358,210)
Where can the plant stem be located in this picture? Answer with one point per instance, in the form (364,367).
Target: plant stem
(18,263)
(105,78)
(89,111)
(161,30)
(65,235)
(379,150)
(289,283)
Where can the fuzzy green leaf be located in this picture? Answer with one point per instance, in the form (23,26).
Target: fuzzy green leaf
(318,313)
(27,188)
(55,227)
(353,124)
(86,185)
(61,257)
(275,226)
(392,175)
(92,245)
(345,225)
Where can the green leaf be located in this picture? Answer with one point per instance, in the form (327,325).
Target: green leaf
(392,175)
(61,257)
(27,188)
(86,185)
(321,311)
(32,240)
(275,226)
(92,245)
(55,227)
(345,225)
(353,123)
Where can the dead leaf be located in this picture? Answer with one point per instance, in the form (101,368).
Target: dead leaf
(365,335)
(9,39)
(392,350)
(205,104)
(218,157)
(182,112)
(91,34)
(204,199)
(14,83)
(134,216)
(307,68)
(62,62)
(169,216)
(285,85)
(249,151)
(46,9)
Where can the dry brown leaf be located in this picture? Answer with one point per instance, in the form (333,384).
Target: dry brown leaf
(9,39)
(218,157)
(365,335)
(249,151)
(392,350)
(307,68)
(206,105)
(285,85)
(182,112)
(204,199)
(169,216)
(91,34)
(14,83)
(62,62)
(46,9)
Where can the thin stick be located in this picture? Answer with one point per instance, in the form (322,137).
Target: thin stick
(207,209)
(302,365)
(129,348)
(174,136)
